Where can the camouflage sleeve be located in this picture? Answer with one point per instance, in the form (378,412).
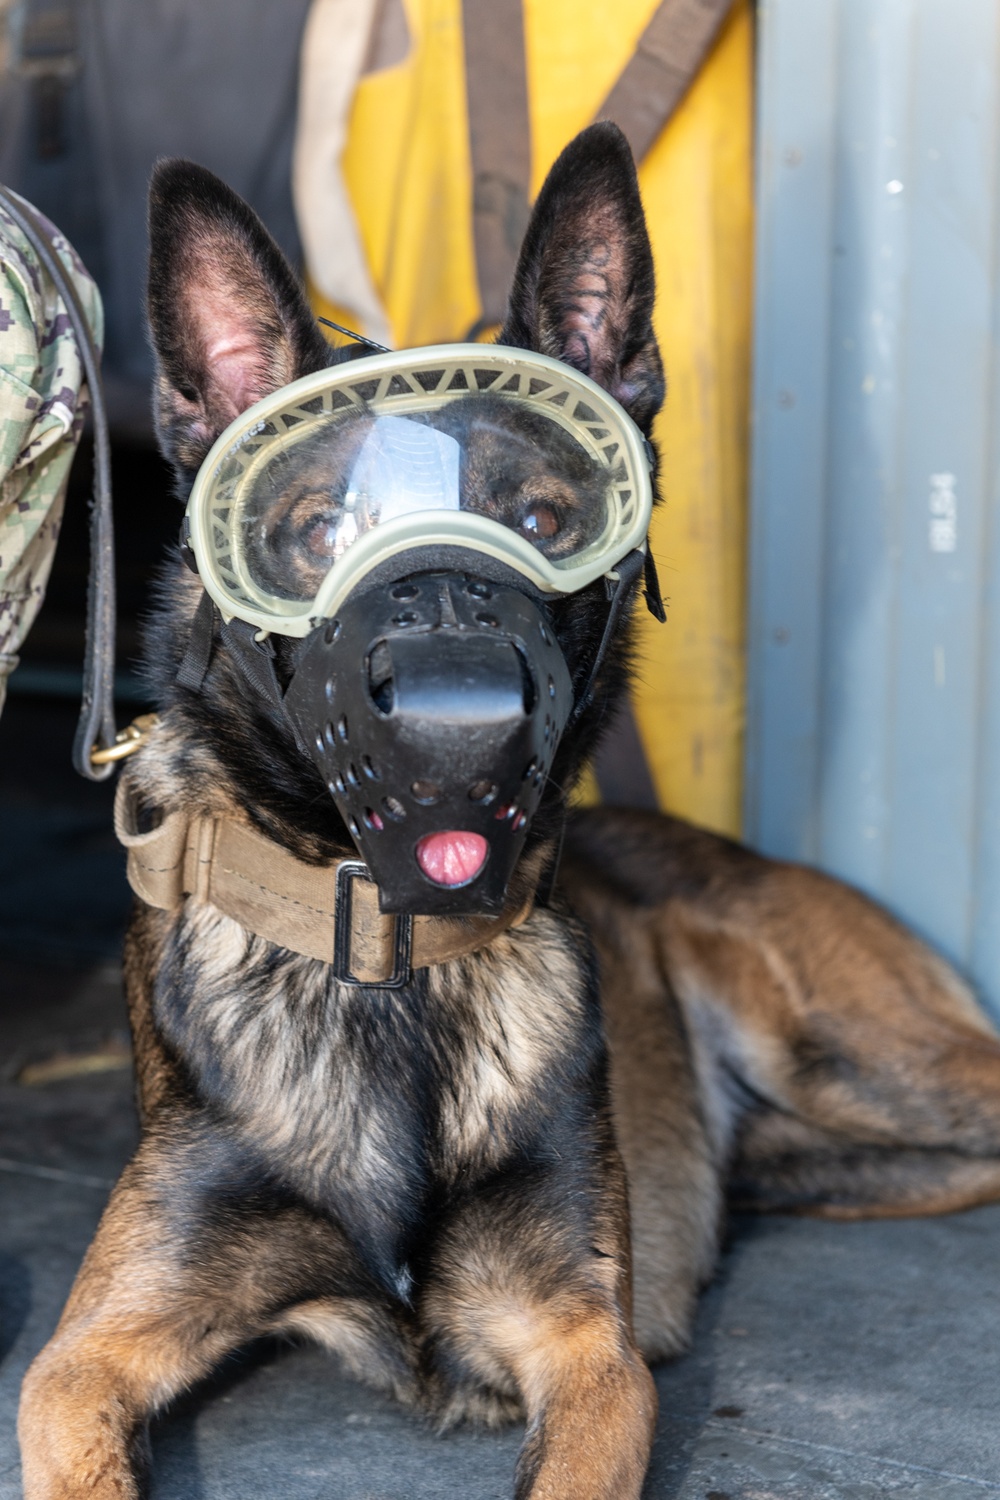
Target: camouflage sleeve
(42,404)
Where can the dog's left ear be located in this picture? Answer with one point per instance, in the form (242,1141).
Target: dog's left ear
(227,317)
(584,287)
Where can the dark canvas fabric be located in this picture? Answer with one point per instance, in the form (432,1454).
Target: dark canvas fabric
(215,80)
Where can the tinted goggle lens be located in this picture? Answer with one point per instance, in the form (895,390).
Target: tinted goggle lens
(502,451)
(309,503)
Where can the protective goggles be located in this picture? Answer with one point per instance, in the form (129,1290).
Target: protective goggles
(501,450)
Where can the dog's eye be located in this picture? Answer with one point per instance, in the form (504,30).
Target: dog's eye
(319,536)
(539,523)
(311,527)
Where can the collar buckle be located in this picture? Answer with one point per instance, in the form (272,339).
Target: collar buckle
(348,871)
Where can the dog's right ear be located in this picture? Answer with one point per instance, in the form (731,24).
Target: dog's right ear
(584,287)
(228,320)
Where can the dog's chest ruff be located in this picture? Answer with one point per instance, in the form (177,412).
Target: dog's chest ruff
(369,1102)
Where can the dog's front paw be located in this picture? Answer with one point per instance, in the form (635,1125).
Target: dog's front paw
(79,1437)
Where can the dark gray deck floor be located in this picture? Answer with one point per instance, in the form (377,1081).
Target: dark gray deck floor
(830,1361)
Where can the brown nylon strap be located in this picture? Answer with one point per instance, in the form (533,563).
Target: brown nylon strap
(278,897)
(499,143)
(652,84)
(662,68)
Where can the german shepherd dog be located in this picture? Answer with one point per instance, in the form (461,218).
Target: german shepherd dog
(497,1191)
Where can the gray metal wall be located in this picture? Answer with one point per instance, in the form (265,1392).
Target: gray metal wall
(874,702)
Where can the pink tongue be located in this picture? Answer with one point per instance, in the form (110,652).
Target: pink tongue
(451,858)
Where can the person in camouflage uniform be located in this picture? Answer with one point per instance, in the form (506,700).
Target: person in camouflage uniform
(43,401)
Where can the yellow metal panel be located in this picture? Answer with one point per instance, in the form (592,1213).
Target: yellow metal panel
(407,170)
(696,185)
(575,53)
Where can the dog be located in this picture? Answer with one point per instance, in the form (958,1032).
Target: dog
(497,1190)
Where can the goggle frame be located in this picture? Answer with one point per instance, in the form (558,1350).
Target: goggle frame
(390,383)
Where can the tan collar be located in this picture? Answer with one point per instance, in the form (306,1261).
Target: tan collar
(327,912)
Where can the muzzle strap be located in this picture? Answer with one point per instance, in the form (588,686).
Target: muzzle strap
(654,599)
(254,658)
(321,912)
(198,654)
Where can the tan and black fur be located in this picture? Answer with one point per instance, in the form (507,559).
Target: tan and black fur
(498,1190)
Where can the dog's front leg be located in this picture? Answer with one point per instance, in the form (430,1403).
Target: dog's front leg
(183,1269)
(591,1406)
(527,1299)
(129,1339)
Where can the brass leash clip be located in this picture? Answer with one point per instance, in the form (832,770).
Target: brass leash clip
(127,741)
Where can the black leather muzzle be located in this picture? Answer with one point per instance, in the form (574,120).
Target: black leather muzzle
(434,705)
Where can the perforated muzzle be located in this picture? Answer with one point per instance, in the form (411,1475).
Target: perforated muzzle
(433,706)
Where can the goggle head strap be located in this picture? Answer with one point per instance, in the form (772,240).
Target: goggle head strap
(253,656)
(619,585)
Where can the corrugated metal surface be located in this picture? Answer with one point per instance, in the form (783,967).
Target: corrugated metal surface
(874,632)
